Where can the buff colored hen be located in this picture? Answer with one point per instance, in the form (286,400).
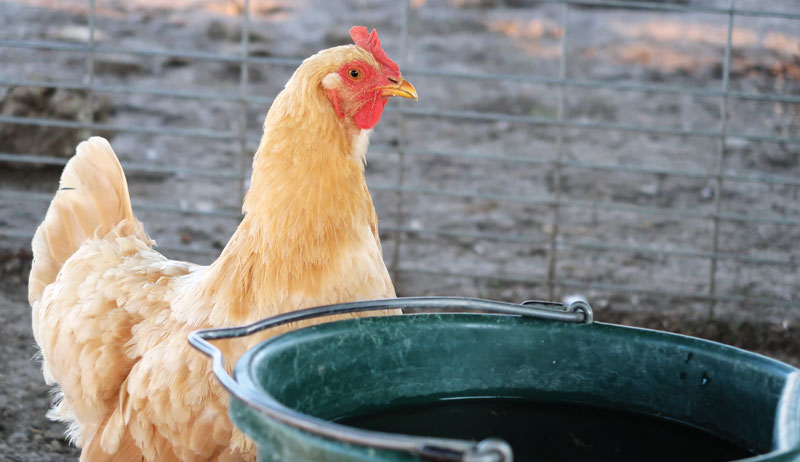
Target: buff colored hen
(111,315)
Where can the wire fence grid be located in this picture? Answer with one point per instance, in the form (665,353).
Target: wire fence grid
(554,242)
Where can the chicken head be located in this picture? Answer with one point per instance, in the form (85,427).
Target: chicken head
(360,86)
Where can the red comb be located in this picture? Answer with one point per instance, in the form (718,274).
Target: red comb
(371,43)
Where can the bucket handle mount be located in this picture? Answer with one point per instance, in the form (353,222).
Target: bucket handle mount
(425,448)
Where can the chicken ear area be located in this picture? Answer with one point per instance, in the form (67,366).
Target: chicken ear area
(368,115)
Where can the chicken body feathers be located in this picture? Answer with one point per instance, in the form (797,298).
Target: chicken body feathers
(111,315)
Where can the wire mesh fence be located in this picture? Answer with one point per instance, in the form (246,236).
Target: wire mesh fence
(543,172)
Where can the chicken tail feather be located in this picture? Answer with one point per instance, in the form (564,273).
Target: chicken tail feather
(92,200)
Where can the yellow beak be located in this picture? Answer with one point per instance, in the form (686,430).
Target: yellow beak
(403,88)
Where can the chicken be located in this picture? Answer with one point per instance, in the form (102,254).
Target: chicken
(111,315)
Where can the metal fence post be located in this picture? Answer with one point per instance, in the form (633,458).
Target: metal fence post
(401,154)
(244,76)
(87,117)
(552,266)
(720,162)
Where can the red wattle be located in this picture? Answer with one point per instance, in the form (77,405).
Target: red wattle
(368,115)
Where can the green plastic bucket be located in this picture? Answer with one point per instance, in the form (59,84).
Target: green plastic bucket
(289,389)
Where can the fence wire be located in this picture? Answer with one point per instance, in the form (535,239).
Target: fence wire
(558,202)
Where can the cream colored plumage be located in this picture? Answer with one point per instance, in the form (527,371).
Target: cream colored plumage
(111,315)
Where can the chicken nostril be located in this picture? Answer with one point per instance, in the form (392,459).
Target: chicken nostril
(393,80)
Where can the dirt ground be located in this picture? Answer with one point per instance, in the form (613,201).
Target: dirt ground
(505,158)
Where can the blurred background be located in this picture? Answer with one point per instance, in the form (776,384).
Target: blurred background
(641,154)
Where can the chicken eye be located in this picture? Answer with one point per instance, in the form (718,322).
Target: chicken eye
(354,74)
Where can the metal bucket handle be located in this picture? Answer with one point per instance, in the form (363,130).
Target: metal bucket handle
(434,449)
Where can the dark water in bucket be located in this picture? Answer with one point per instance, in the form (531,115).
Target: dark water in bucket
(540,431)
